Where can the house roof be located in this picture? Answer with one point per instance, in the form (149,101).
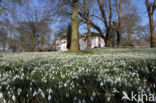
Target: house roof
(93,34)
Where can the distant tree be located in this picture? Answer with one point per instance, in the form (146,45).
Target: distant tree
(106,10)
(130,21)
(3,36)
(35,29)
(143,33)
(86,15)
(151,7)
(7,16)
(119,24)
(8,5)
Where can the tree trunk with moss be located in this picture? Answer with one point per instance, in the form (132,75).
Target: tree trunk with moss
(75,35)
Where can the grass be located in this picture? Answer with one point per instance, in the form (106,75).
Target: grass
(81,52)
(88,76)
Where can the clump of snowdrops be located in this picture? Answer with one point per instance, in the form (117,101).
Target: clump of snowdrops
(60,77)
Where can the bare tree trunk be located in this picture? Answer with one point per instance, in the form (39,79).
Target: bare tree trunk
(75,35)
(151,7)
(108,25)
(4,45)
(119,31)
(118,38)
(152,31)
(129,37)
(88,23)
(88,35)
(107,41)
(33,44)
(69,36)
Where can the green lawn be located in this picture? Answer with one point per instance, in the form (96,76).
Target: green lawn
(88,76)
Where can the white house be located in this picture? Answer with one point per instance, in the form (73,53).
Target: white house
(97,41)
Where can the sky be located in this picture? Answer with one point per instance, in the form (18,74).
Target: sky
(142,11)
(140,4)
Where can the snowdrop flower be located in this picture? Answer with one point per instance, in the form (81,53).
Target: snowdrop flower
(30,83)
(67,94)
(30,89)
(75,98)
(79,101)
(91,98)
(40,90)
(13,98)
(49,97)
(83,101)
(108,98)
(4,101)
(1,95)
(65,84)
(101,84)
(80,91)
(19,91)
(50,91)
(94,94)
(34,94)
(42,94)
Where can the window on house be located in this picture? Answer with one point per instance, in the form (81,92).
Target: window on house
(99,43)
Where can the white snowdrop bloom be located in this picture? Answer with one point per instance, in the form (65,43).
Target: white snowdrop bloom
(1,95)
(83,81)
(91,98)
(94,94)
(19,91)
(13,98)
(45,81)
(83,101)
(7,87)
(50,91)
(108,98)
(39,90)
(49,97)
(30,89)
(101,84)
(4,101)
(4,83)
(30,83)
(42,94)
(67,95)
(65,84)
(115,91)
(80,91)
(60,86)
(75,98)
(34,94)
